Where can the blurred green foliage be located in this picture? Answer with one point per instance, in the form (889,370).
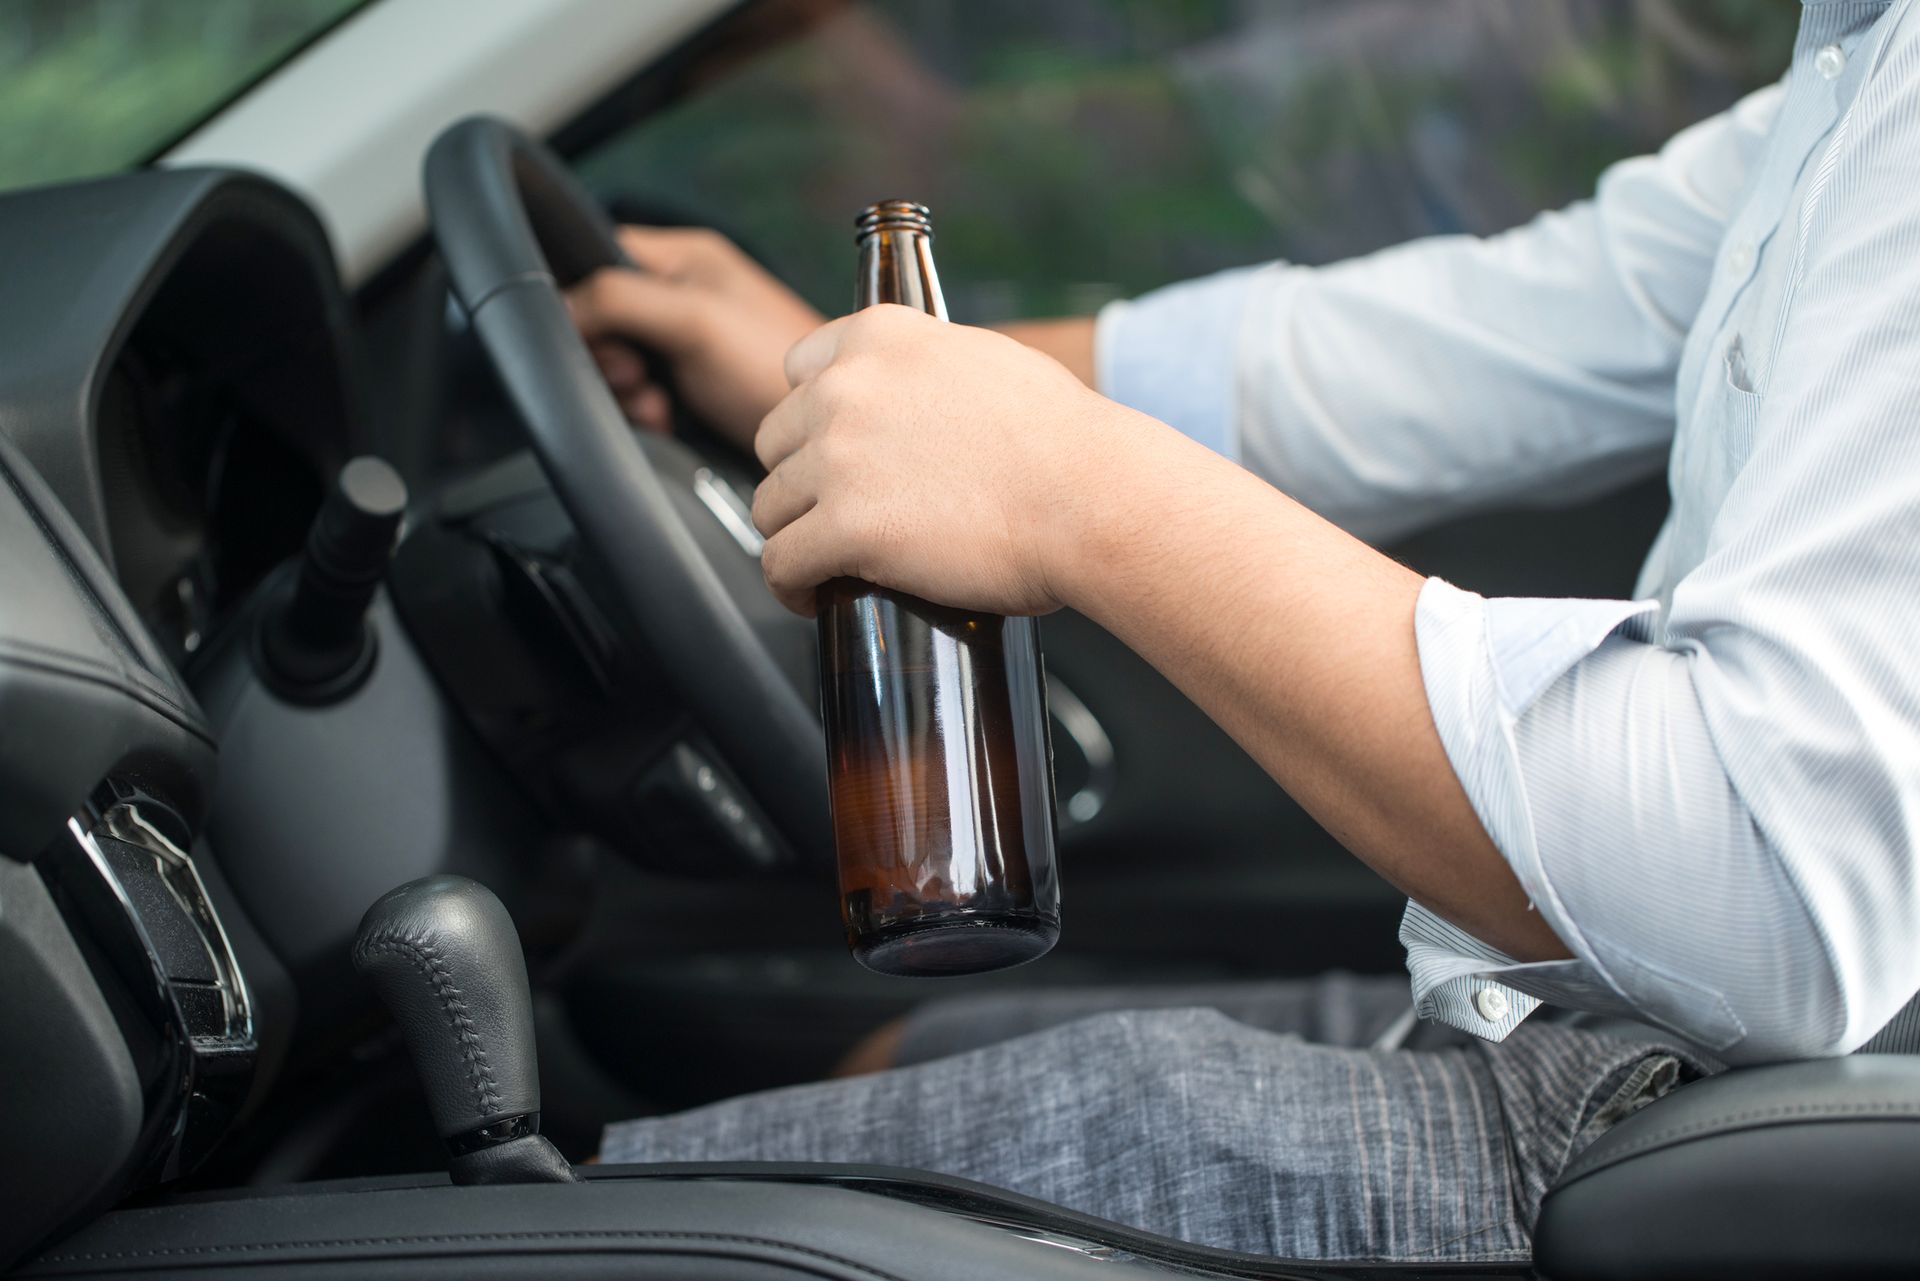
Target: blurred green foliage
(1073,150)
(92,86)
(1078,150)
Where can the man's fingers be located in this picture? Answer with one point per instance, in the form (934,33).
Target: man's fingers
(644,247)
(806,358)
(669,251)
(644,402)
(615,302)
(650,408)
(620,365)
(654,249)
(782,431)
(786,495)
(796,561)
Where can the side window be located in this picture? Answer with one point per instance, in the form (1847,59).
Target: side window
(1081,150)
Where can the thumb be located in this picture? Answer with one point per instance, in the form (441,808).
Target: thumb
(797,559)
(616,302)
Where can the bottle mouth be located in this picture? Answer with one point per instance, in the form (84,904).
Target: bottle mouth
(893,215)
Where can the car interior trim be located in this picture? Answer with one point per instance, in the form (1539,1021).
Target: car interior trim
(414,73)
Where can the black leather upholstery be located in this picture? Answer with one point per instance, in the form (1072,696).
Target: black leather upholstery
(445,957)
(1801,1170)
(602,1228)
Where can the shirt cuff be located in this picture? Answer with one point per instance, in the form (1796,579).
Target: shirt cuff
(1484,662)
(1173,354)
(1452,978)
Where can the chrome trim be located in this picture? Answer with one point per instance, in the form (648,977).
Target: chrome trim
(126,824)
(162,985)
(734,515)
(1079,723)
(201,1068)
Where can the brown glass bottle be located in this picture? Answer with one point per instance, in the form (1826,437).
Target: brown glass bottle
(937,736)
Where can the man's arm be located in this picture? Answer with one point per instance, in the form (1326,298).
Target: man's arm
(1384,392)
(1392,390)
(1442,375)
(908,456)
(1720,827)
(1298,640)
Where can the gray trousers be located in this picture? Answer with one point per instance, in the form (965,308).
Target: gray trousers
(1253,1117)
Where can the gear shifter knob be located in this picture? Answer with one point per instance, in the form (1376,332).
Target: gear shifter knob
(444,956)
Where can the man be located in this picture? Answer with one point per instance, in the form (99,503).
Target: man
(1688,817)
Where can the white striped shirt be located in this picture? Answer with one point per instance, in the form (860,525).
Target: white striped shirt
(1710,792)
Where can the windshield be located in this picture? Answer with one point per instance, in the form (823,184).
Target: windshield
(94,86)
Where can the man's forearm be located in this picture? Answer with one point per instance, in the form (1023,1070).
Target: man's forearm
(1298,640)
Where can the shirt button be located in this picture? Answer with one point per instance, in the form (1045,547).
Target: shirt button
(1491,1004)
(1739,258)
(1830,61)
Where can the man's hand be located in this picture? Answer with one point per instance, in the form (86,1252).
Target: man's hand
(932,458)
(721,322)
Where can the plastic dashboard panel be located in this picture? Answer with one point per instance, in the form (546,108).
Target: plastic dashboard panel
(88,261)
(82,695)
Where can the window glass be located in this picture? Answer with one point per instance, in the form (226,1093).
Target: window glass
(1080,150)
(93,86)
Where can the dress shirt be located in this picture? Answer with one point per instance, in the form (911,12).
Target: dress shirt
(1711,791)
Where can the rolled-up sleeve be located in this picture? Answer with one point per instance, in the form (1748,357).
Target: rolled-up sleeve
(1590,756)
(1715,805)
(1515,687)
(1484,664)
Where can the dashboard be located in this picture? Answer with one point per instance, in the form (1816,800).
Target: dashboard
(179,371)
(175,380)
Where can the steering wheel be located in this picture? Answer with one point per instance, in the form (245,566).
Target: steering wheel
(514,228)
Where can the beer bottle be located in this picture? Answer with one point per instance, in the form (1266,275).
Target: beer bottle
(937,735)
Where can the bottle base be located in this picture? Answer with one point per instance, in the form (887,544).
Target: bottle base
(934,949)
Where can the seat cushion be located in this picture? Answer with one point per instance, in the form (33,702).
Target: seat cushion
(1797,1170)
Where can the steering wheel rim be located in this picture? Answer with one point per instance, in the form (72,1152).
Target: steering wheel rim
(514,228)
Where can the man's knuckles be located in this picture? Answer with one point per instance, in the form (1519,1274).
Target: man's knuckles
(764,505)
(672,249)
(705,242)
(884,326)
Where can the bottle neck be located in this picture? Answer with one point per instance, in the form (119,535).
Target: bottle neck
(896,265)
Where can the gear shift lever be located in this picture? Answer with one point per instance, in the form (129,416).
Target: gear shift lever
(444,956)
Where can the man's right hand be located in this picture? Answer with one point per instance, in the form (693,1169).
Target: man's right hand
(720,321)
